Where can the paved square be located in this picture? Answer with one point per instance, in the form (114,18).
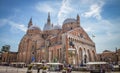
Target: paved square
(6,69)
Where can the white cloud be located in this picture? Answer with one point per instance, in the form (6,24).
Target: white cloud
(13,25)
(65,9)
(44,8)
(94,10)
(106,32)
(88,29)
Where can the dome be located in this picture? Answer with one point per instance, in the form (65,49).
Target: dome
(57,27)
(69,20)
(47,27)
(34,27)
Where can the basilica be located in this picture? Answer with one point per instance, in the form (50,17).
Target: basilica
(68,43)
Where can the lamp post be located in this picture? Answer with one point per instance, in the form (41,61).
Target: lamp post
(116,56)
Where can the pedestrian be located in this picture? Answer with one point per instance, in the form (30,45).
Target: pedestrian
(69,68)
(38,68)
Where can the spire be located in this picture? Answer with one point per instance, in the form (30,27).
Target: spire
(48,20)
(30,22)
(78,19)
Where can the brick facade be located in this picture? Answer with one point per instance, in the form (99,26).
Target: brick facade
(110,56)
(69,44)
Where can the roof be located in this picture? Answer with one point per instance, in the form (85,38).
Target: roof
(69,20)
(47,27)
(57,27)
(33,27)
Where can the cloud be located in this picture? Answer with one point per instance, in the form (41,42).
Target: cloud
(13,25)
(65,9)
(106,32)
(88,29)
(44,7)
(94,10)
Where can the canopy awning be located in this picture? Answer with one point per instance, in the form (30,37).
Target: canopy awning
(54,63)
(17,63)
(96,63)
(36,63)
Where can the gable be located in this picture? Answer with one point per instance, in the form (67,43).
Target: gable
(80,33)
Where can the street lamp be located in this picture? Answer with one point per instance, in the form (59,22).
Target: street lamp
(116,57)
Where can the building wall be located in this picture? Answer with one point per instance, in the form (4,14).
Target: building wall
(9,57)
(81,49)
(55,53)
(110,56)
(53,45)
(118,51)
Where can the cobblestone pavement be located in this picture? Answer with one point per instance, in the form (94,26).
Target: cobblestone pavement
(6,69)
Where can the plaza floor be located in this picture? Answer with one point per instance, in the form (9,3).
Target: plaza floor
(6,69)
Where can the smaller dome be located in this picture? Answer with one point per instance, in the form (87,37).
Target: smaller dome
(57,27)
(69,20)
(34,27)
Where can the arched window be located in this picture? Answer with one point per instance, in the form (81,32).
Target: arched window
(85,58)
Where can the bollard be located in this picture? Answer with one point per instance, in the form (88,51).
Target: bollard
(119,67)
(29,70)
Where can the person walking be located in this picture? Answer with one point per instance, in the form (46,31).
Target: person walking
(38,68)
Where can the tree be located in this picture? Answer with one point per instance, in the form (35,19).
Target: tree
(5,48)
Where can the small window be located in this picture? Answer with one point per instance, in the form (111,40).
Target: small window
(81,35)
(71,43)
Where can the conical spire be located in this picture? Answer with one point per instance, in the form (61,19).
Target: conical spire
(78,17)
(48,20)
(30,22)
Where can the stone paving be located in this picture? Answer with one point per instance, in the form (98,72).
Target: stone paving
(6,69)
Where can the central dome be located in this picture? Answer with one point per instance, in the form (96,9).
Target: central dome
(34,27)
(69,20)
(57,27)
(48,27)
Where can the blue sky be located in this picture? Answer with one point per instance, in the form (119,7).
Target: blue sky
(98,17)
